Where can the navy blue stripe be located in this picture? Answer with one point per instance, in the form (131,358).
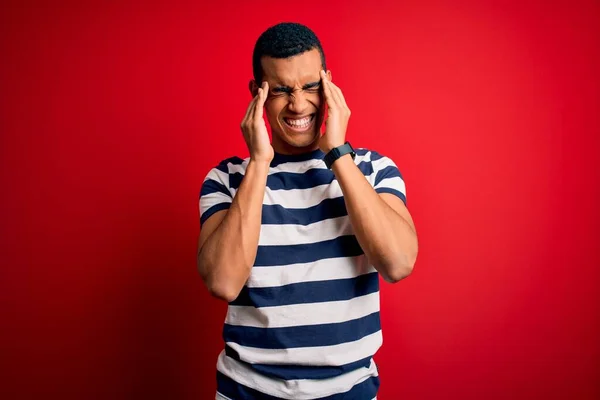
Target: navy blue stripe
(392,191)
(223,168)
(365,390)
(284,158)
(235,160)
(375,156)
(291,180)
(287,372)
(211,186)
(275,255)
(212,210)
(224,165)
(236,391)
(278,215)
(366,167)
(309,292)
(303,335)
(388,172)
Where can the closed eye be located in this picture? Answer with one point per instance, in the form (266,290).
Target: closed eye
(312,87)
(279,90)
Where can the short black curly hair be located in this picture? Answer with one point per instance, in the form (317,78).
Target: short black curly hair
(284,40)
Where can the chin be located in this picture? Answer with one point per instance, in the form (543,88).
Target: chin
(301,140)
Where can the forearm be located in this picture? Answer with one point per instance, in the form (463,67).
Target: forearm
(228,255)
(388,240)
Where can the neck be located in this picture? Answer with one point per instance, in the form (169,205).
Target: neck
(281,147)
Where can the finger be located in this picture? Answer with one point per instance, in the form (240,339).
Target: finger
(250,110)
(265,88)
(262,97)
(327,91)
(335,93)
(338,94)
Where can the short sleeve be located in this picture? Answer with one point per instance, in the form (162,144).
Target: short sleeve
(215,194)
(386,177)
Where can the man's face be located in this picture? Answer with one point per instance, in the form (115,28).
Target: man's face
(295,104)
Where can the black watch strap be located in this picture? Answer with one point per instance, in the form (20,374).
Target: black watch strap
(338,152)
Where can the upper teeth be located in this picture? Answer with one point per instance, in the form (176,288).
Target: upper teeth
(299,122)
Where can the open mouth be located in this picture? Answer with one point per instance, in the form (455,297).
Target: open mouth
(300,124)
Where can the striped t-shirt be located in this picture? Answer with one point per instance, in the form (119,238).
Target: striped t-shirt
(306,324)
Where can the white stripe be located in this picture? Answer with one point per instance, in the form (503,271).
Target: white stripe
(360,158)
(309,197)
(293,167)
(302,198)
(299,389)
(239,168)
(299,198)
(338,354)
(381,163)
(320,270)
(280,235)
(392,183)
(219,176)
(303,314)
(212,199)
(220,396)
(207,201)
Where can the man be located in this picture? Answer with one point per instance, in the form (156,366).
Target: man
(295,236)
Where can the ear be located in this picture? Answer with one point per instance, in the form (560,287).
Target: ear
(253,87)
(329,75)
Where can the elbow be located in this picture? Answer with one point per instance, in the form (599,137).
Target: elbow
(221,289)
(223,292)
(400,269)
(396,274)
(218,287)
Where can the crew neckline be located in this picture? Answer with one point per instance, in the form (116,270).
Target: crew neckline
(279,158)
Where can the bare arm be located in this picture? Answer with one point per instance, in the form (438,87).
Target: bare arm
(229,238)
(381,222)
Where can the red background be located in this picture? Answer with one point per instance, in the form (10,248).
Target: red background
(112,115)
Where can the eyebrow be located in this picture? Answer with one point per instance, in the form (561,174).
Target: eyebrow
(287,89)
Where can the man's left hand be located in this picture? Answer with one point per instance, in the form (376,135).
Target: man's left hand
(338,116)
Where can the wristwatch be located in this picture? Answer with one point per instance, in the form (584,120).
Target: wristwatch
(338,152)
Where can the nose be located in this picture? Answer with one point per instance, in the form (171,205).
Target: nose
(298,102)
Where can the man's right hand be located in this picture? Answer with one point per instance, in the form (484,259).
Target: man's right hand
(255,130)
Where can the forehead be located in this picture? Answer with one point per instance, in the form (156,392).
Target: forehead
(301,67)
